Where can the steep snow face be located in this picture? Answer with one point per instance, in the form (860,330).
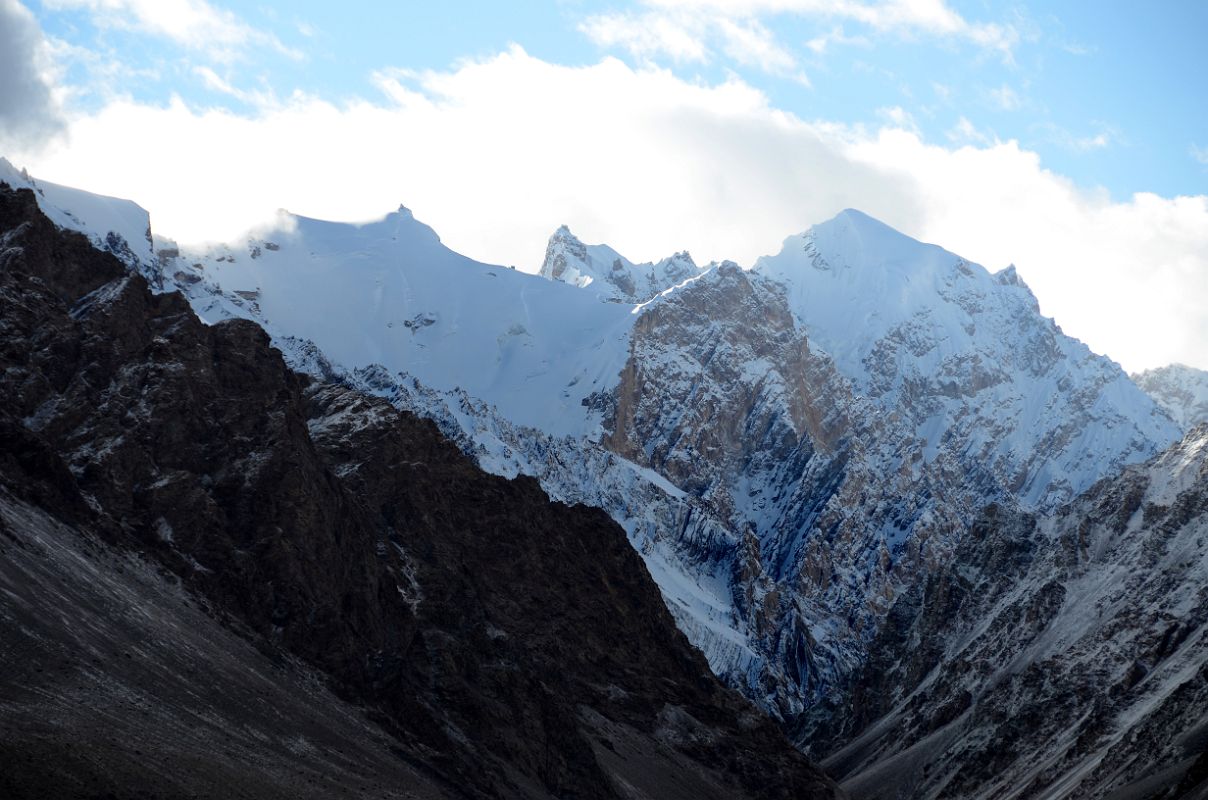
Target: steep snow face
(966,357)
(1181,390)
(118,226)
(601,269)
(389,293)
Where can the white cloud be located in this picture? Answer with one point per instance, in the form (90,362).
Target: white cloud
(495,154)
(1200,154)
(194,24)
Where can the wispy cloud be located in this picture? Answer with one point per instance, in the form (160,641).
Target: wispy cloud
(193,24)
(965,132)
(1200,154)
(647,36)
(696,31)
(898,117)
(1005,98)
(694,38)
(931,17)
(819,45)
(252,97)
(1105,136)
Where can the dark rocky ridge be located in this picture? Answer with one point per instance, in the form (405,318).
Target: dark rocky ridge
(509,646)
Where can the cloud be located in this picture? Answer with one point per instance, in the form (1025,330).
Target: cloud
(194,24)
(29,110)
(1055,134)
(931,17)
(1004,98)
(964,132)
(649,36)
(819,45)
(496,153)
(691,38)
(1200,154)
(692,31)
(898,117)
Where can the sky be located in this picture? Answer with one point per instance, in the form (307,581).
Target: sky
(1068,138)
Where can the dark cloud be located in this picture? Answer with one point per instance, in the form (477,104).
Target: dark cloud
(28,112)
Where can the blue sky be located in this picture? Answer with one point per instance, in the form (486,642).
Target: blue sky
(1067,138)
(1110,94)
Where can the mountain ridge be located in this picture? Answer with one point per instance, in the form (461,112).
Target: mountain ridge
(795,450)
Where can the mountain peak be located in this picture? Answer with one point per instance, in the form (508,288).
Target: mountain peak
(566,259)
(569,260)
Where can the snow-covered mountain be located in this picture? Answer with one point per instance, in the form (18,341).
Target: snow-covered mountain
(117,226)
(1181,390)
(793,448)
(599,268)
(966,358)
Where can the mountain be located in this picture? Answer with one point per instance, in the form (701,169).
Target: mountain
(225,579)
(599,268)
(1059,655)
(966,358)
(1181,390)
(798,451)
(798,490)
(117,226)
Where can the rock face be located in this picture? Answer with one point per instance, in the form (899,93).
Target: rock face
(1055,656)
(1181,390)
(477,639)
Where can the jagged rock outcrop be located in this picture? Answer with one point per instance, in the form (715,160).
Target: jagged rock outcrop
(491,642)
